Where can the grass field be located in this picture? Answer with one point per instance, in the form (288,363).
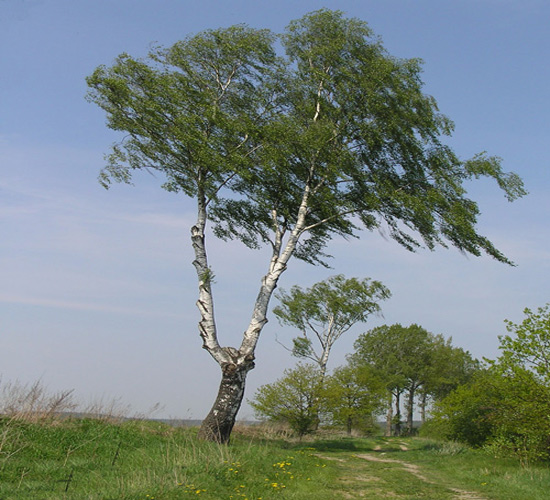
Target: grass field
(145,460)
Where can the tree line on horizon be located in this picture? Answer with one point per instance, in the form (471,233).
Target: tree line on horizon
(501,405)
(394,373)
(390,365)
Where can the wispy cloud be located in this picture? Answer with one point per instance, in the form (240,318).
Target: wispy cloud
(82,306)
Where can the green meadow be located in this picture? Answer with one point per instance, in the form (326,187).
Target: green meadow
(144,460)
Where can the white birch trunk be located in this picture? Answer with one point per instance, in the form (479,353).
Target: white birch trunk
(235,364)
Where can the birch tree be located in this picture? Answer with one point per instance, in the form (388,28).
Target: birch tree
(288,151)
(327,310)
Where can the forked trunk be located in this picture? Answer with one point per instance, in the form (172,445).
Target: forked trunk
(235,364)
(219,422)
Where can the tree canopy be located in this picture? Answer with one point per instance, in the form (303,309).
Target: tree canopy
(353,396)
(412,361)
(326,311)
(338,124)
(293,399)
(529,345)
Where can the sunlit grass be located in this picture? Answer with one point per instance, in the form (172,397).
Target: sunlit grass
(84,458)
(146,460)
(420,468)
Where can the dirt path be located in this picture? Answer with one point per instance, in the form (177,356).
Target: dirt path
(413,469)
(416,471)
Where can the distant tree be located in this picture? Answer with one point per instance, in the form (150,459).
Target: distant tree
(449,367)
(418,361)
(413,363)
(326,311)
(506,414)
(522,422)
(288,152)
(353,396)
(293,399)
(400,356)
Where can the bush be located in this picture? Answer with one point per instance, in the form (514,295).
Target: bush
(508,415)
(293,399)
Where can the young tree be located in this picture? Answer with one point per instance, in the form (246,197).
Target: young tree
(326,311)
(465,413)
(506,406)
(524,366)
(289,152)
(353,396)
(293,399)
(388,351)
(507,413)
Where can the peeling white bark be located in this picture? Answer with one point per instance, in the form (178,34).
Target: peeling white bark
(277,266)
(234,363)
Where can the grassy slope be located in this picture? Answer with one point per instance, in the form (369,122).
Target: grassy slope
(90,459)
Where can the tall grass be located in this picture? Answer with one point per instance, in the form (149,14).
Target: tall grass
(94,459)
(44,454)
(33,402)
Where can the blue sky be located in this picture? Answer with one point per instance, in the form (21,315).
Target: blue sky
(97,290)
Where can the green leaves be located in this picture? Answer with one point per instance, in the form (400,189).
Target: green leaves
(336,127)
(326,311)
(490,166)
(350,396)
(353,395)
(506,406)
(189,110)
(529,349)
(301,347)
(411,356)
(294,399)
(337,301)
